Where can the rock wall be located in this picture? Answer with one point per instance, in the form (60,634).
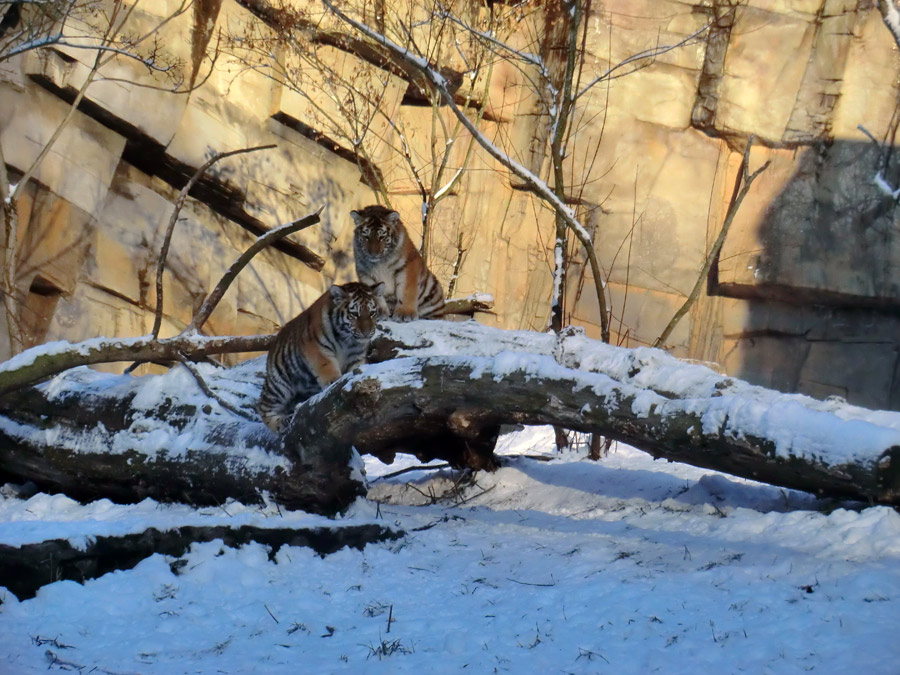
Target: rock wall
(803,297)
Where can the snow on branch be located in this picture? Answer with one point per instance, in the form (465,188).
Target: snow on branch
(645,397)
(38,363)
(439,390)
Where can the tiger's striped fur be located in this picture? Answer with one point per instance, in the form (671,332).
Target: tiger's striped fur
(315,348)
(385,253)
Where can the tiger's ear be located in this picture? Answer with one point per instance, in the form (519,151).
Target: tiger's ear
(378,289)
(392,218)
(337,293)
(357,218)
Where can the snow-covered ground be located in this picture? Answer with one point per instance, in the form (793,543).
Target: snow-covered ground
(627,565)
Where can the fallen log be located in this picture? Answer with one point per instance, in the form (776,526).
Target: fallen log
(26,568)
(416,399)
(124,438)
(93,436)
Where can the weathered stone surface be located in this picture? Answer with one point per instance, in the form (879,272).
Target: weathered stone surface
(757,95)
(352,102)
(770,361)
(834,368)
(54,237)
(132,222)
(846,352)
(803,9)
(641,174)
(91,312)
(639,315)
(660,95)
(299,177)
(620,29)
(151,108)
(416,124)
(821,86)
(84,157)
(501,87)
(871,81)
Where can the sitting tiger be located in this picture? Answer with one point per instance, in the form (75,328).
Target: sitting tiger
(315,348)
(384,253)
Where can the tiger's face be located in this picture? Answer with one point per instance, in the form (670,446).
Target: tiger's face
(357,307)
(378,230)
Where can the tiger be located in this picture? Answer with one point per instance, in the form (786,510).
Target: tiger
(385,253)
(315,348)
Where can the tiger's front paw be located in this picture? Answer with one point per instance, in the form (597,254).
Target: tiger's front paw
(405,314)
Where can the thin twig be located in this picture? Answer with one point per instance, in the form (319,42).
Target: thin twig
(646,54)
(409,469)
(480,494)
(457,265)
(528,583)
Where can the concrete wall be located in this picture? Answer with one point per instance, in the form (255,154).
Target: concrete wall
(805,295)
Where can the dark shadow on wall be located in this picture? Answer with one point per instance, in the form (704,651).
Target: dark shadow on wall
(823,285)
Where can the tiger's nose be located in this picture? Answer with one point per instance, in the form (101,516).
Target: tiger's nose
(367,325)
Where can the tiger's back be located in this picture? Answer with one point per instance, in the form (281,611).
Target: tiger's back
(315,348)
(384,253)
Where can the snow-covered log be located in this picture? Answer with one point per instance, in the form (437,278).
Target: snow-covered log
(437,389)
(670,408)
(26,568)
(92,435)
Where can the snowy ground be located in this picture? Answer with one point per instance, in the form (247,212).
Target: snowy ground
(623,566)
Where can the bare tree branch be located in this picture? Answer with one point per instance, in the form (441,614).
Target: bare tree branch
(37,364)
(640,56)
(179,203)
(270,237)
(890,13)
(192,369)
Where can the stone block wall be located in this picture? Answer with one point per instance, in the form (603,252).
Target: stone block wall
(805,295)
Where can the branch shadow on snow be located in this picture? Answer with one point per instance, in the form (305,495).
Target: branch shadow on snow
(718,490)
